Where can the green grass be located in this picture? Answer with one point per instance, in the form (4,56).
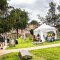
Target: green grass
(42,54)
(10,56)
(21,44)
(28,43)
(58,36)
(46,54)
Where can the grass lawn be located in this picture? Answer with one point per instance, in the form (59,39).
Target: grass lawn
(21,44)
(42,54)
(46,54)
(28,43)
(10,56)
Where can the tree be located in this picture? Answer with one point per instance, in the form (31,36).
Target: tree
(42,20)
(58,25)
(58,8)
(51,17)
(34,22)
(3,8)
(59,11)
(4,25)
(18,19)
(3,4)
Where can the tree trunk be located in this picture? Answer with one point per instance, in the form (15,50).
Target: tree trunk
(17,32)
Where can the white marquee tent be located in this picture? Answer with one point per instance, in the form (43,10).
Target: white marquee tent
(42,31)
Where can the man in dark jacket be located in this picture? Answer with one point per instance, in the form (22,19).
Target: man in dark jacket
(1,41)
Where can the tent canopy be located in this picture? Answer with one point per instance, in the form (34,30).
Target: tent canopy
(45,27)
(41,30)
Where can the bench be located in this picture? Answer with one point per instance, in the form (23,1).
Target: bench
(37,43)
(25,55)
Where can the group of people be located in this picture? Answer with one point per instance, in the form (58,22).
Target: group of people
(2,41)
(51,37)
(37,38)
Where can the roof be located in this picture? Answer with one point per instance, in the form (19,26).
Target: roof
(44,26)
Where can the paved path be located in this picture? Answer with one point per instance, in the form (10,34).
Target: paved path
(2,52)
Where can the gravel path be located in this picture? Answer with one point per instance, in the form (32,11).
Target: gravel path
(2,52)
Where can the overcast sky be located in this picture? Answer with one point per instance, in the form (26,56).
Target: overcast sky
(34,7)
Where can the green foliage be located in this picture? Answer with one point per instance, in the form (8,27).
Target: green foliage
(19,18)
(4,25)
(4,17)
(16,18)
(34,22)
(3,4)
(52,7)
(58,27)
(58,8)
(52,16)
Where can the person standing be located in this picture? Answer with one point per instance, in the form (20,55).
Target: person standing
(24,36)
(39,38)
(34,38)
(53,36)
(1,41)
